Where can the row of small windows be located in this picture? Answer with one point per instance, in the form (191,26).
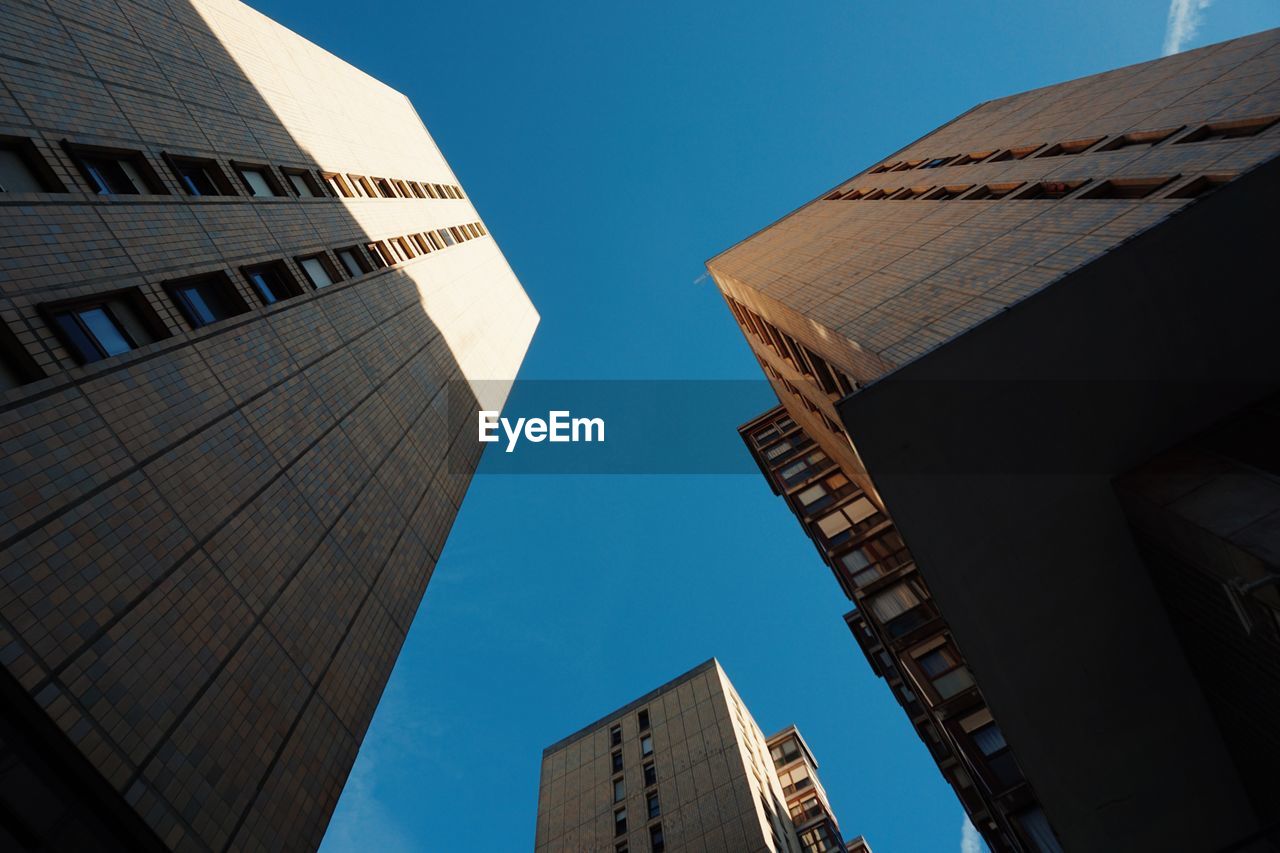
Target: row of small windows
(113,323)
(120,171)
(832,381)
(1089,188)
(653,807)
(1232,129)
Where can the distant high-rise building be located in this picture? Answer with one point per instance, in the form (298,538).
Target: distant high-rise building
(1042,337)
(237,276)
(901,632)
(684,767)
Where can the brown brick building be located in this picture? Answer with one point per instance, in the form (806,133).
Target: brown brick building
(236,275)
(1042,336)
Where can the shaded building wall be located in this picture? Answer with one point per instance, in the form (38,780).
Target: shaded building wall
(211,546)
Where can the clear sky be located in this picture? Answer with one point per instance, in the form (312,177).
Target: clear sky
(612,146)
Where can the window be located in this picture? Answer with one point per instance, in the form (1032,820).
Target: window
(205,299)
(615,735)
(362,186)
(975,157)
(874,558)
(617,761)
(806,809)
(319,270)
(794,780)
(906,165)
(944,668)
(1127,188)
(403,248)
(893,602)
(103,326)
(650,774)
(1020,153)
(272,282)
(259,180)
(947,193)
(621,847)
(1050,189)
(1035,828)
(200,176)
(384,188)
(17,367)
(1074,146)
(909,193)
(418,191)
(620,821)
(642,718)
(818,839)
(989,741)
(1200,186)
(991,192)
(619,790)
(111,171)
(646,746)
(380,254)
(446,236)
(657,843)
(651,802)
(1139,139)
(304,185)
(434,238)
(23,170)
(421,242)
(851,519)
(353,262)
(1236,129)
(403,189)
(785,752)
(938,162)
(337,185)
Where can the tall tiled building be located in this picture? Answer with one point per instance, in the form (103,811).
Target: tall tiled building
(684,767)
(237,274)
(1042,336)
(899,629)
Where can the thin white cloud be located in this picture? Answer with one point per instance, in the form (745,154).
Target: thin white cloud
(1184,20)
(970,841)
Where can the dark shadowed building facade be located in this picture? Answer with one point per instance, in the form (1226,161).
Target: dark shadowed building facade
(1042,337)
(236,275)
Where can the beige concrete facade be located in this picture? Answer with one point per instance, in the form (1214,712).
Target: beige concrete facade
(213,543)
(712,774)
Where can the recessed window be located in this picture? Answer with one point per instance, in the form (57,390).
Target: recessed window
(646,746)
(113,171)
(353,261)
(1235,129)
(615,735)
(403,187)
(619,790)
(883,167)
(1073,146)
(435,239)
(944,668)
(657,843)
(102,326)
(430,190)
(620,821)
(651,802)
(451,191)
(616,761)
(650,774)
(946,193)
(259,180)
(418,191)
(991,192)
(642,719)
(422,243)
(873,195)
(383,186)
(795,779)
(938,162)
(906,165)
(17,367)
(997,761)
(303,183)
(337,185)
(23,170)
(200,176)
(1200,186)
(403,248)
(205,299)
(975,157)
(1127,188)
(1050,190)
(363,186)
(380,254)
(272,282)
(1139,139)
(319,270)
(446,236)
(1020,153)
(908,193)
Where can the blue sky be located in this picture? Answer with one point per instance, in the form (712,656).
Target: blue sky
(611,147)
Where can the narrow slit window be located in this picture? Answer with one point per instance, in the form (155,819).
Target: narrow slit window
(1127,188)
(1073,146)
(1050,190)
(991,192)
(1235,129)
(946,193)
(1200,186)
(1019,153)
(1139,139)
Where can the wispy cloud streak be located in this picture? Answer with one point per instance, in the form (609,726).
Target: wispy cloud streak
(1184,20)
(970,841)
